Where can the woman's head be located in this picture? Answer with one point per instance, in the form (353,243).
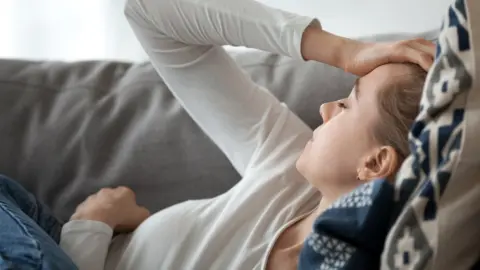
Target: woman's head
(364,136)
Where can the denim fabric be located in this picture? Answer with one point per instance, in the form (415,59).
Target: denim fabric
(29,233)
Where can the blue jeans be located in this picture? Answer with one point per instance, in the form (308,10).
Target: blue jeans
(29,233)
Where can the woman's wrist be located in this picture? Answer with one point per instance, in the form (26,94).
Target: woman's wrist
(322,46)
(95,216)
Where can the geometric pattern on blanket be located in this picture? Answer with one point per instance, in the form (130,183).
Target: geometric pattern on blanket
(350,234)
(360,197)
(436,140)
(336,252)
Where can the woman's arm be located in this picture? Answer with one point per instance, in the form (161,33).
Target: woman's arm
(86,242)
(87,236)
(219,22)
(182,38)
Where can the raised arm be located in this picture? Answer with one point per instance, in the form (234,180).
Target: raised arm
(182,38)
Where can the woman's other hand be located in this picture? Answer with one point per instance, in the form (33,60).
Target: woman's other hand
(116,207)
(359,57)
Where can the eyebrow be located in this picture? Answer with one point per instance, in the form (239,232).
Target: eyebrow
(357,90)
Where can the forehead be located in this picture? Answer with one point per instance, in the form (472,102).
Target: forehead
(379,78)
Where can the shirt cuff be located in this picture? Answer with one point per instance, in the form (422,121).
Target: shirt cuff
(87,226)
(295,36)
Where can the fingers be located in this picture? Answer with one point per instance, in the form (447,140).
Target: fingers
(125,191)
(139,215)
(423,59)
(142,214)
(429,50)
(425,42)
(425,52)
(136,217)
(118,192)
(417,53)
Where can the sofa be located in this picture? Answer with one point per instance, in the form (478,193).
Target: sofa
(68,129)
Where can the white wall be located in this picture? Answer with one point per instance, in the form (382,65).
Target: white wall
(96,29)
(66,29)
(355,18)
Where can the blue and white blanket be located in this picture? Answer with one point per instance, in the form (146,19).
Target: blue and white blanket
(350,233)
(430,219)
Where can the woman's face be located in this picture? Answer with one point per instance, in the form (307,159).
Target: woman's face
(342,144)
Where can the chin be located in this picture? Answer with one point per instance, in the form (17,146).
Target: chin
(298,166)
(301,166)
(303,159)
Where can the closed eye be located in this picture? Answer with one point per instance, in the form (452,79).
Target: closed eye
(341,104)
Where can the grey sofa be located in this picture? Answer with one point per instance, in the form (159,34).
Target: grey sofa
(69,129)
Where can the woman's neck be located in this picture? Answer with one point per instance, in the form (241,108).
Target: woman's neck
(322,206)
(305,226)
(295,236)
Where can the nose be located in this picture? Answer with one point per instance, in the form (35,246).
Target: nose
(326,111)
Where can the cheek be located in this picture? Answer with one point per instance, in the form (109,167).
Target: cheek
(329,148)
(329,144)
(335,133)
(337,149)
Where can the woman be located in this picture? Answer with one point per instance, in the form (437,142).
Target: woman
(263,221)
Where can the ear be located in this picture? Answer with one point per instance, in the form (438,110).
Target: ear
(382,163)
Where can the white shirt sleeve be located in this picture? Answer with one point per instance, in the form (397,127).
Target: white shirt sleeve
(86,242)
(183,38)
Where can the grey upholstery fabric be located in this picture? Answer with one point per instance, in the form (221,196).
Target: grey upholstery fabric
(68,129)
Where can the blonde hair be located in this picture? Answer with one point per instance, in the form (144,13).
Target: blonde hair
(399,104)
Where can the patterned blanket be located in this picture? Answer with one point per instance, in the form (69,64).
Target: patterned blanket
(430,219)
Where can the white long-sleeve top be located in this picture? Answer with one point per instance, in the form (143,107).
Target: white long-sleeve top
(260,136)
